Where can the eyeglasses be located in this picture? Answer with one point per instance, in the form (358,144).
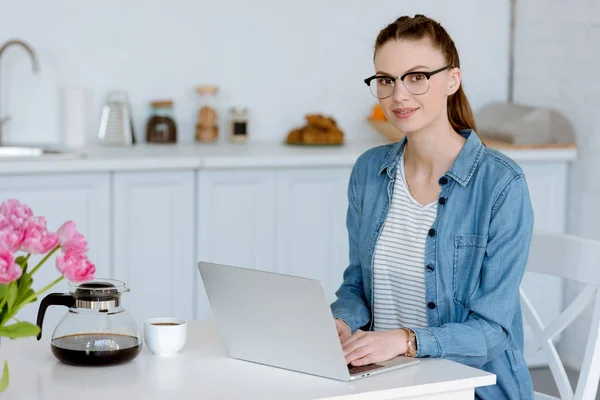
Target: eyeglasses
(382,86)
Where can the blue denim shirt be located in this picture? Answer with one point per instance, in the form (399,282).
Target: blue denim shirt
(475,257)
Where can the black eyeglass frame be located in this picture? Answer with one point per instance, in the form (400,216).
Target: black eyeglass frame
(428,75)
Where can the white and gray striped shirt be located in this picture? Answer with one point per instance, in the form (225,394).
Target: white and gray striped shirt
(399,280)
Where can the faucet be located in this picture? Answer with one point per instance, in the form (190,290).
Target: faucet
(35,68)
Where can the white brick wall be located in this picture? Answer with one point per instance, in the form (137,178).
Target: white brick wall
(557,64)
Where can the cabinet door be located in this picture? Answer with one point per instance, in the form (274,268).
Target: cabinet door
(548,191)
(83,198)
(153,231)
(235,222)
(312,240)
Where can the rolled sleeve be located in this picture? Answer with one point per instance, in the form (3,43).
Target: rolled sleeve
(427,344)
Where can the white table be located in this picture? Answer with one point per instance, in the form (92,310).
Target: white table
(203,371)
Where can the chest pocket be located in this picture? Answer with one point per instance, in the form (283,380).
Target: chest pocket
(469,251)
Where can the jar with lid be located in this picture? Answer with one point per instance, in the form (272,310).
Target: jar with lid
(238,124)
(207,128)
(161,126)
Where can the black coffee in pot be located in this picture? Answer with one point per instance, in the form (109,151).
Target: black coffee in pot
(96,349)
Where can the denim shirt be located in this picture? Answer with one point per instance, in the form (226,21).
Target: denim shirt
(475,256)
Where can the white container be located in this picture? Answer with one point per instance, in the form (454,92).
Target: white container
(74,115)
(165,336)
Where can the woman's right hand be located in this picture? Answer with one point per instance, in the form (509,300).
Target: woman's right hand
(343,330)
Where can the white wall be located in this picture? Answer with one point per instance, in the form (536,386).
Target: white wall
(282,59)
(557,58)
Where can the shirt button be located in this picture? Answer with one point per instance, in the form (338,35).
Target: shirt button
(442,200)
(430,268)
(431,305)
(431,232)
(443,180)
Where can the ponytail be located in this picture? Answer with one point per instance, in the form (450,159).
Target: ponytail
(459,111)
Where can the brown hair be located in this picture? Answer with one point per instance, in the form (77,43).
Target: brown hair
(417,28)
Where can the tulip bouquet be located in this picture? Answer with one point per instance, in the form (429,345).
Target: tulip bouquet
(22,231)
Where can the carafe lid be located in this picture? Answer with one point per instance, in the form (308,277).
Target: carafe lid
(99,294)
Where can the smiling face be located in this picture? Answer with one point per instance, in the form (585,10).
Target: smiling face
(413,112)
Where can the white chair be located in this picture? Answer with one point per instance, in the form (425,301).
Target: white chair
(573,258)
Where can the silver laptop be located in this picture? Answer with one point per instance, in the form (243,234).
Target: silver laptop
(282,321)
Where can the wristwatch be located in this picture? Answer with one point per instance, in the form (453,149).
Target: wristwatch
(411,343)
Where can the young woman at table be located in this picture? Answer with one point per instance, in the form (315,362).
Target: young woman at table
(439,225)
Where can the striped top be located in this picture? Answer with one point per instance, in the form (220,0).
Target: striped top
(398,276)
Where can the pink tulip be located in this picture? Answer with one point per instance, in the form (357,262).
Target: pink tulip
(9,270)
(11,239)
(37,239)
(14,215)
(70,238)
(75,266)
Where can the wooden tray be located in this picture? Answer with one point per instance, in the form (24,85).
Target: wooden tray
(507,145)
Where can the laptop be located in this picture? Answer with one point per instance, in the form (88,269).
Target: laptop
(281,321)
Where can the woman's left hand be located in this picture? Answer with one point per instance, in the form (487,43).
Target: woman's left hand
(364,348)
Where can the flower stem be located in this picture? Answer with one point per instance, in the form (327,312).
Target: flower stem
(44,260)
(36,294)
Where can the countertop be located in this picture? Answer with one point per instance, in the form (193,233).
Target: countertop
(225,156)
(203,371)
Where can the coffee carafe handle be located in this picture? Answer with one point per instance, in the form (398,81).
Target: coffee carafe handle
(53,299)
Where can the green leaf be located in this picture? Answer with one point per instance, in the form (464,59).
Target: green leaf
(12,295)
(4,379)
(22,261)
(24,284)
(3,290)
(30,292)
(20,329)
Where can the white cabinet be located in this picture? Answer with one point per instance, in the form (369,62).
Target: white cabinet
(235,222)
(83,198)
(311,224)
(284,220)
(153,242)
(548,185)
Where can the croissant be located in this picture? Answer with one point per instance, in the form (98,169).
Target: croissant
(319,129)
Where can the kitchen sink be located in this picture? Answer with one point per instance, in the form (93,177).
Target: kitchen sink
(36,152)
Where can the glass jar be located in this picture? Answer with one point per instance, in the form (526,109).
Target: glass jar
(238,125)
(207,128)
(161,127)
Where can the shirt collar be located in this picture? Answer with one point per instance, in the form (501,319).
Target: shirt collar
(461,170)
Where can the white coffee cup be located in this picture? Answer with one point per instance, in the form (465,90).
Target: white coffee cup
(165,336)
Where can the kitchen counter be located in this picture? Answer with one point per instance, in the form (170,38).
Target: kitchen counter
(225,156)
(203,371)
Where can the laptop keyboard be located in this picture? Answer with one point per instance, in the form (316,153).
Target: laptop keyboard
(364,368)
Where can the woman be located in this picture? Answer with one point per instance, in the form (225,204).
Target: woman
(439,225)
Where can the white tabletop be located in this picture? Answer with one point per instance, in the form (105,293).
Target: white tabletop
(203,371)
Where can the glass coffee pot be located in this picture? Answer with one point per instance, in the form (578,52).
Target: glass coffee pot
(96,330)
